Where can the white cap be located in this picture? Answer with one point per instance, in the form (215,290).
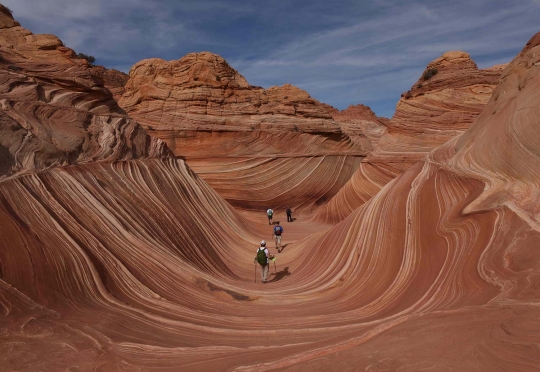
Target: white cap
(263,242)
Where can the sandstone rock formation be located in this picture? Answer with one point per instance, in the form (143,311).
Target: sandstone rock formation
(279,139)
(54,111)
(113,80)
(139,265)
(440,106)
(148,269)
(201,95)
(360,120)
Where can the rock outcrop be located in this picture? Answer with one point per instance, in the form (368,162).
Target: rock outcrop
(202,94)
(280,139)
(113,80)
(360,120)
(441,105)
(54,111)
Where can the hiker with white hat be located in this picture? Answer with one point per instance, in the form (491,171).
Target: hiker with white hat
(263,259)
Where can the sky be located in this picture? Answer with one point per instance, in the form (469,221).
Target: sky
(342,52)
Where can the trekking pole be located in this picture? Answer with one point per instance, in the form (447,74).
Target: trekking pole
(255,273)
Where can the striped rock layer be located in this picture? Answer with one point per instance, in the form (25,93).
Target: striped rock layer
(360,120)
(55,111)
(225,128)
(436,109)
(139,265)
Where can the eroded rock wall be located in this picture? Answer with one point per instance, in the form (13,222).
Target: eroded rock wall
(440,106)
(205,110)
(54,111)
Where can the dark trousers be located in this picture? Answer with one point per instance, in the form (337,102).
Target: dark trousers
(289,218)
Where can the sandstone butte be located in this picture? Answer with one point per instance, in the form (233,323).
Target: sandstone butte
(135,264)
(435,110)
(258,148)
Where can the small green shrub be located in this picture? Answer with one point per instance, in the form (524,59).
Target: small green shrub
(429,73)
(90,59)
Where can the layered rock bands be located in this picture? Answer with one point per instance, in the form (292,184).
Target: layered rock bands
(441,105)
(54,110)
(259,148)
(119,257)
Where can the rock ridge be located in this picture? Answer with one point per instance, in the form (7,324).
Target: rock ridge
(55,110)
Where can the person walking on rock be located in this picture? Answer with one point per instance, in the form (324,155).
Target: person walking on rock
(289,215)
(270,214)
(278,230)
(263,259)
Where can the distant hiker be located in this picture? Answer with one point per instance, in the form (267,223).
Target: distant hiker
(263,258)
(289,215)
(278,230)
(270,213)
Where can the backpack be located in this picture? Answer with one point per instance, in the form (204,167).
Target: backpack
(261,257)
(270,212)
(278,230)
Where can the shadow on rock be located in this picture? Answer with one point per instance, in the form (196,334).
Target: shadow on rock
(280,275)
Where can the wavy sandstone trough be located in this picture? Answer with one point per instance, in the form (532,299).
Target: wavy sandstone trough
(271,146)
(139,265)
(435,110)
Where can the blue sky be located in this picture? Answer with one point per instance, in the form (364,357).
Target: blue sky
(341,52)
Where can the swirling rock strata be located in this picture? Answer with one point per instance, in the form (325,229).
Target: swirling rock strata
(204,110)
(360,120)
(54,111)
(441,105)
(304,183)
(139,265)
(202,96)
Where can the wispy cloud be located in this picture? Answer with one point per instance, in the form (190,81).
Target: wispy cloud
(341,52)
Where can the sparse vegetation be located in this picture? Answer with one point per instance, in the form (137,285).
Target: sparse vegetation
(90,59)
(429,73)
(9,10)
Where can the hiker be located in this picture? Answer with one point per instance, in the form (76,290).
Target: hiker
(270,213)
(263,258)
(289,215)
(278,230)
